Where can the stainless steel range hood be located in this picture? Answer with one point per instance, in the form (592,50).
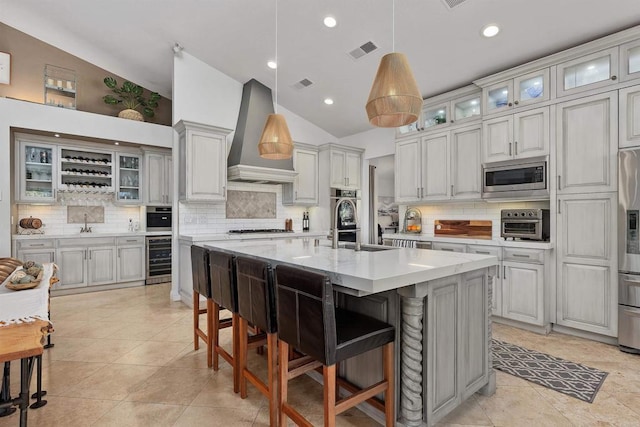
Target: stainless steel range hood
(244,162)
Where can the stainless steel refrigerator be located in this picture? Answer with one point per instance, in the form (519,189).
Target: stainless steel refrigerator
(629,251)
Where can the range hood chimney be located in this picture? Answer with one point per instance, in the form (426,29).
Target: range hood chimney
(244,161)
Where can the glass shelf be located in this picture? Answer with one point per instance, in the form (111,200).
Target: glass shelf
(60,86)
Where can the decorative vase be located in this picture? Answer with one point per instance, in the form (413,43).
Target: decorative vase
(131,115)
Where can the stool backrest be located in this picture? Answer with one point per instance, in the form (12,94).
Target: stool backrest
(200,271)
(256,294)
(306,312)
(224,290)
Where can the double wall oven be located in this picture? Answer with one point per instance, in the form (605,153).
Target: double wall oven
(158,246)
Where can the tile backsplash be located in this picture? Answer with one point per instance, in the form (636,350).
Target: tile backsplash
(200,218)
(55,218)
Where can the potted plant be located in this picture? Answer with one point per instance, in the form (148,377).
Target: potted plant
(131,97)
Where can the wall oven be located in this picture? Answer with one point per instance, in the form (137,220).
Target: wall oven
(526,178)
(528,224)
(158,218)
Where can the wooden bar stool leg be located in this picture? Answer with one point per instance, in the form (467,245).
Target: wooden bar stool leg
(196,319)
(272,356)
(243,330)
(209,340)
(283,370)
(388,368)
(235,351)
(329,389)
(216,334)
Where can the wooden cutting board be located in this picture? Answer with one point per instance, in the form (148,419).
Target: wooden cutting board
(477,229)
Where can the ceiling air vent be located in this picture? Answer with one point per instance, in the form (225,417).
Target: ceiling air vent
(302,84)
(361,51)
(453,3)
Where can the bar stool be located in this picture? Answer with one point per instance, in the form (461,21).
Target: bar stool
(257,306)
(202,286)
(224,293)
(309,321)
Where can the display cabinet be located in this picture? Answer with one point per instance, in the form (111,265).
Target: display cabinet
(85,171)
(520,91)
(587,72)
(37,172)
(630,60)
(59,87)
(129,179)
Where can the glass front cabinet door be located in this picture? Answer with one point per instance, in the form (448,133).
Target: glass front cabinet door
(465,108)
(630,60)
(523,90)
(37,172)
(588,72)
(128,181)
(435,115)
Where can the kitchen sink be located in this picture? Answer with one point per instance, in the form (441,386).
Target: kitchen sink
(366,247)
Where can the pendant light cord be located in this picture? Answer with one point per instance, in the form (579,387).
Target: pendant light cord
(393,25)
(277,64)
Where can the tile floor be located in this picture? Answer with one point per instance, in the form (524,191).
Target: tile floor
(125,358)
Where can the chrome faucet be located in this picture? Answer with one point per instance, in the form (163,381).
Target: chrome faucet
(85,229)
(334,243)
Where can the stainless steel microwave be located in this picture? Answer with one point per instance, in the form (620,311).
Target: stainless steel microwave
(517,179)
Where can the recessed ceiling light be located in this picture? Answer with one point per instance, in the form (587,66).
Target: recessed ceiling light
(490,30)
(57,135)
(272,64)
(330,21)
(328,101)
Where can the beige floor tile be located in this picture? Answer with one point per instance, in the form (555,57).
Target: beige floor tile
(103,351)
(212,417)
(64,347)
(138,414)
(113,382)
(177,331)
(630,400)
(171,386)
(218,392)
(151,353)
(63,411)
(58,377)
(189,358)
(469,413)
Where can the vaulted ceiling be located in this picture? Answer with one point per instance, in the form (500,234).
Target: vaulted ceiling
(135,39)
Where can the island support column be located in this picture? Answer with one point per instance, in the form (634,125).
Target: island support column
(411,398)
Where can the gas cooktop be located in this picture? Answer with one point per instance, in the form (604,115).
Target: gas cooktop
(261,230)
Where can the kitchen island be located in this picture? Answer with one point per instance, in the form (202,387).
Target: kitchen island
(439,303)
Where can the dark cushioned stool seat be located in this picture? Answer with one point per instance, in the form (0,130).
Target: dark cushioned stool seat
(202,286)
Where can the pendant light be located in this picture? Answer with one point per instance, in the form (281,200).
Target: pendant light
(395,99)
(275,141)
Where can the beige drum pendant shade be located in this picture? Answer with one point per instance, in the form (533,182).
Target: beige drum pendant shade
(394,99)
(275,142)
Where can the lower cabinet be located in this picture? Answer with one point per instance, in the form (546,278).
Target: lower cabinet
(40,251)
(102,266)
(523,292)
(131,259)
(73,268)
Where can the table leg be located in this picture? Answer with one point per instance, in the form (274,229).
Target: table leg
(39,403)
(5,391)
(26,369)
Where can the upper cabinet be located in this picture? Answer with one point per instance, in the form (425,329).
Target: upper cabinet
(203,162)
(629,99)
(37,171)
(158,177)
(129,179)
(304,189)
(587,72)
(630,60)
(516,136)
(520,91)
(86,170)
(345,166)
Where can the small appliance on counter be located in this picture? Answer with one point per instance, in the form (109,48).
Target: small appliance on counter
(412,221)
(526,224)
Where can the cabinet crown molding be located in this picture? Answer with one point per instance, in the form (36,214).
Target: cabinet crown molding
(184,125)
(332,146)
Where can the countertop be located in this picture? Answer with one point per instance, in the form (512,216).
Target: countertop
(471,241)
(195,238)
(366,272)
(88,235)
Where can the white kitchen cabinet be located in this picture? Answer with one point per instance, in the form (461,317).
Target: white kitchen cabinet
(304,189)
(496,283)
(130,259)
(37,166)
(128,178)
(630,60)
(591,71)
(40,250)
(203,162)
(439,166)
(523,292)
(587,144)
(102,266)
(629,99)
(520,91)
(158,178)
(345,166)
(73,272)
(587,262)
(521,135)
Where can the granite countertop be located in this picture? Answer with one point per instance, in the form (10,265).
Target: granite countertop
(88,235)
(367,272)
(471,241)
(195,238)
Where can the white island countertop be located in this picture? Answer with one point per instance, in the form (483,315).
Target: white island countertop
(364,272)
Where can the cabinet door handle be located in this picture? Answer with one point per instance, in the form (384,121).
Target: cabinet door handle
(504,272)
(447,249)
(516,102)
(559,205)
(89,254)
(510,149)
(521,256)
(131,240)
(37,244)
(483,252)
(119,249)
(559,185)
(498,278)
(85,254)
(417,192)
(296,195)
(421,192)
(614,78)
(515,148)
(451,190)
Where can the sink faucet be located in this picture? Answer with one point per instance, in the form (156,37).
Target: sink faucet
(85,229)
(336,232)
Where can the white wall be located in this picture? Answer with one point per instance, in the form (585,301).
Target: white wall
(27,115)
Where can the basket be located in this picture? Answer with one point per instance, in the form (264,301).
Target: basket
(23,286)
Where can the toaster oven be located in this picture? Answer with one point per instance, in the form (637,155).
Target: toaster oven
(528,224)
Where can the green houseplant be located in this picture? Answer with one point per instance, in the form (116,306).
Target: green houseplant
(131,96)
